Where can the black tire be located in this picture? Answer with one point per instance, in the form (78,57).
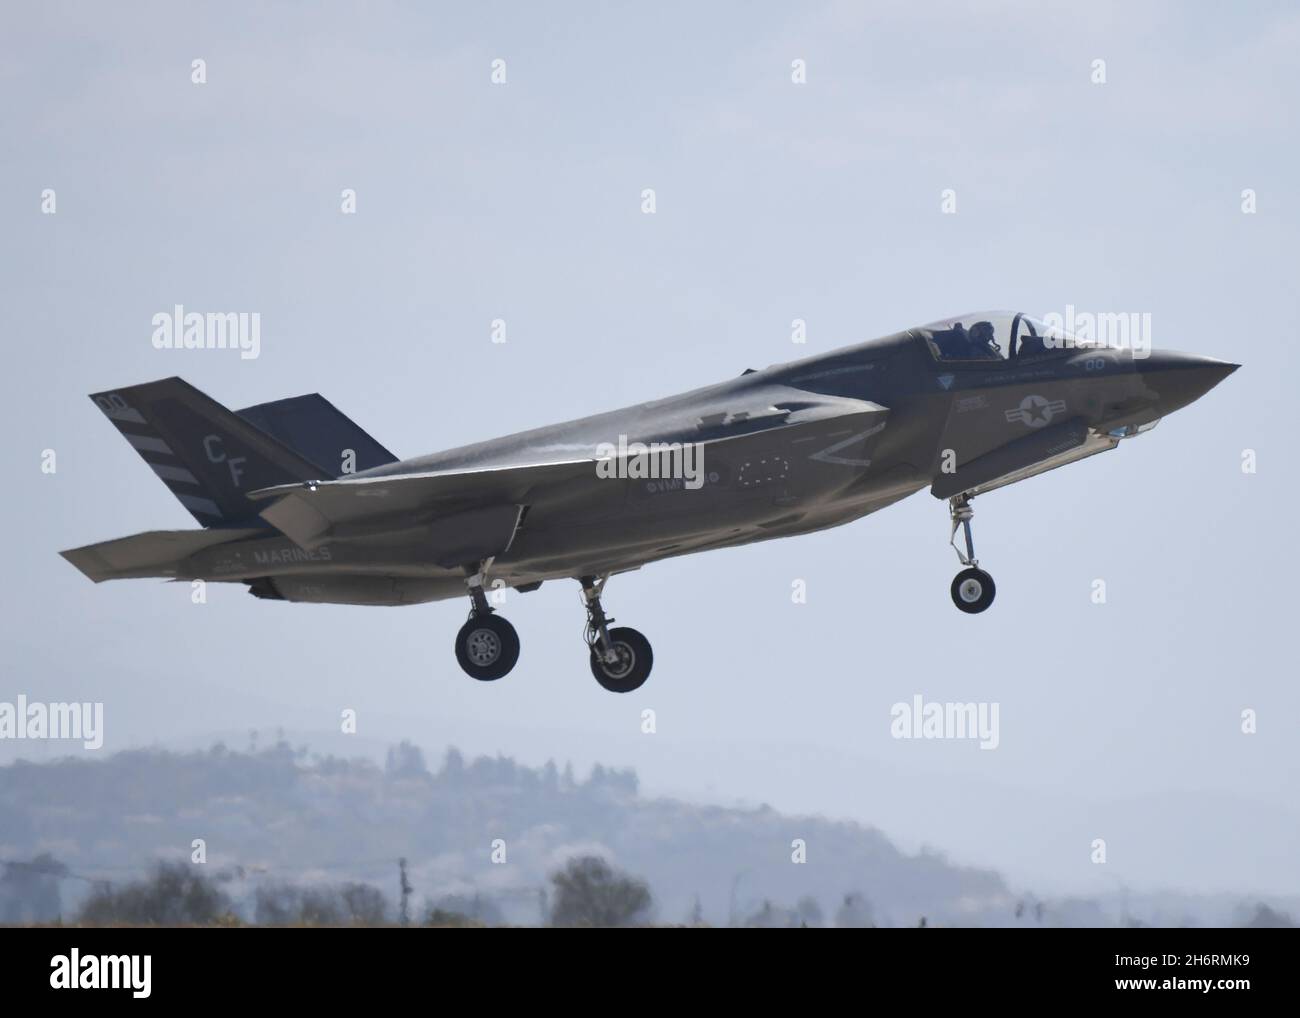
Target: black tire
(487,647)
(973,590)
(634,664)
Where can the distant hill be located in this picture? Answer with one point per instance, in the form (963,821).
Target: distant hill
(482,837)
(283,815)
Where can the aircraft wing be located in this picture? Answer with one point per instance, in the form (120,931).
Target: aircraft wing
(485,500)
(474,512)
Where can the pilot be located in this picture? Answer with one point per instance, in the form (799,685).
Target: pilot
(982,340)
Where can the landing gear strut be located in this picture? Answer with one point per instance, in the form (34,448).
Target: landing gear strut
(972,588)
(620,658)
(487,646)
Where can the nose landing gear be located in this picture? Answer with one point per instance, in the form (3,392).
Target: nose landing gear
(620,658)
(972,589)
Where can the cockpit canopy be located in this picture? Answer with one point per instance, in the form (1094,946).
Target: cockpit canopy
(993,336)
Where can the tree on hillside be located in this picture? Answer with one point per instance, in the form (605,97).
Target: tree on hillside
(176,894)
(589,892)
(350,904)
(453,765)
(770,916)
(1266,918)
(29,891)
(363,904)
(476,907)
(854,912)
(405,761)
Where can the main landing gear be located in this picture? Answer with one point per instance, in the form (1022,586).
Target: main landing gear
(487,646)
(620,658)
(972,588)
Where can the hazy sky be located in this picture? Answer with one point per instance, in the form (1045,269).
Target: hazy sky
(775,201)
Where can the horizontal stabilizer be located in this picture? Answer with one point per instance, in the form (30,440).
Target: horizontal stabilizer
(153,553)
(315,428)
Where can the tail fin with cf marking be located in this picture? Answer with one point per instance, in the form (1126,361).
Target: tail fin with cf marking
(207,455)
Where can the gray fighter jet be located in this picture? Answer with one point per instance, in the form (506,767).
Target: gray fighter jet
(300,504)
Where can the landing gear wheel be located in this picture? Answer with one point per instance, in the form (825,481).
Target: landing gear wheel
(632,667)
(973,590)
(487,647)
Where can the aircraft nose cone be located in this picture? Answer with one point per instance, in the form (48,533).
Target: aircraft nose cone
(1177,379)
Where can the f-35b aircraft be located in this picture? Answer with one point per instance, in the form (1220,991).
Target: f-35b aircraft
(300,504)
